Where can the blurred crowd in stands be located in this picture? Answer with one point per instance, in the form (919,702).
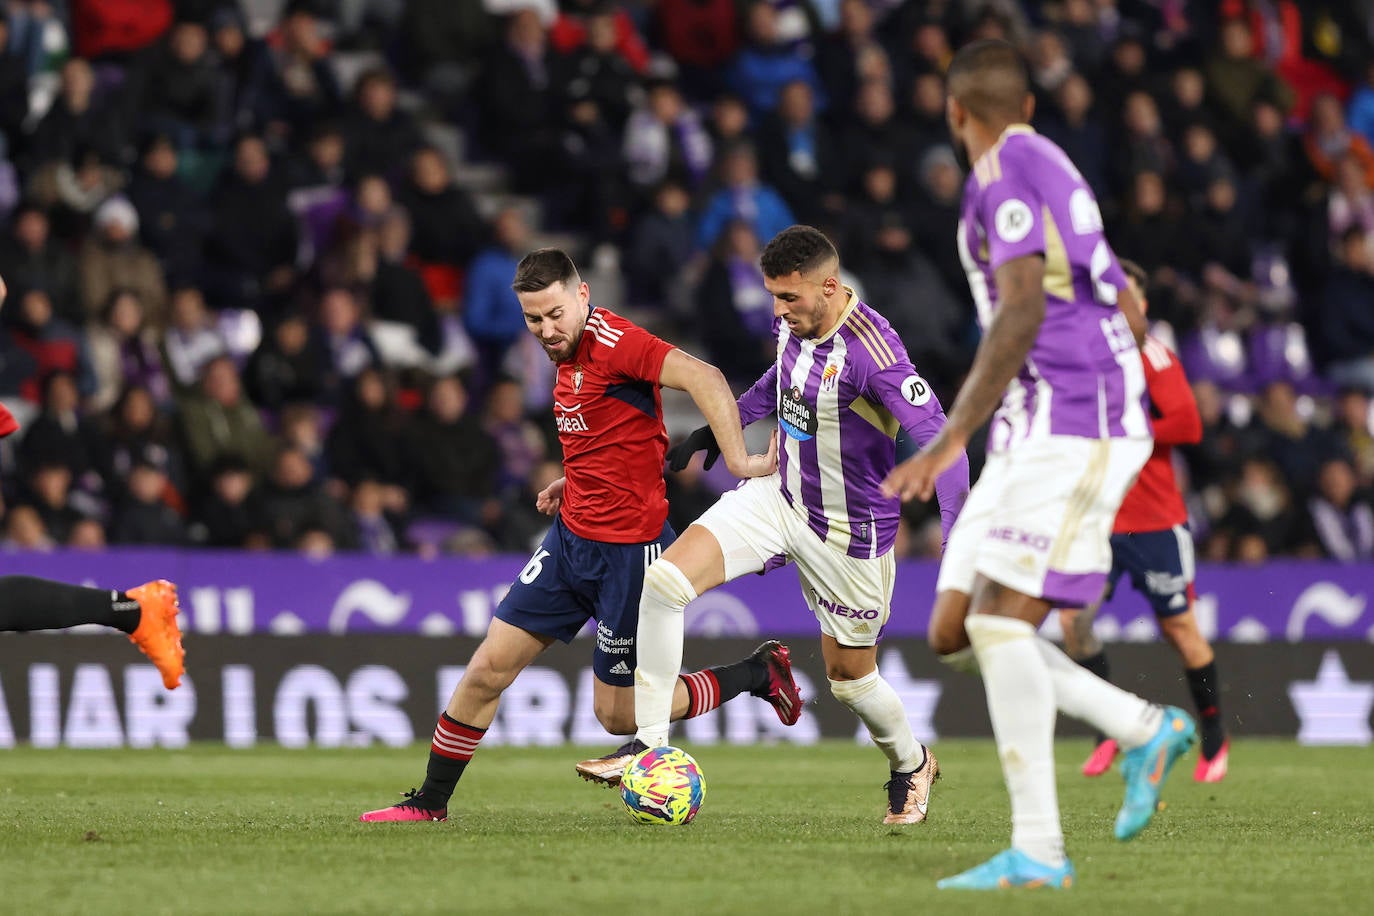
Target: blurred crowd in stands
(259,253)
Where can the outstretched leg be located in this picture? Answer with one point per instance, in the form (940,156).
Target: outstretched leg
(765,673)
(147,613)
(504,653)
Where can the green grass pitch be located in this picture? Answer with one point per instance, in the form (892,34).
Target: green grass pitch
(783,830)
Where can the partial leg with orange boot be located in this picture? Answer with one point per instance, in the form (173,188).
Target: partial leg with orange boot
(147,613)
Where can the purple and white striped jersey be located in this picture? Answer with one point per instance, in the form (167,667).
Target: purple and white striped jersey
(840,400)
(1083,376)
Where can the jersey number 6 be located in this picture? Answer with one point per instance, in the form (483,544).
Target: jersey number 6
(534,567)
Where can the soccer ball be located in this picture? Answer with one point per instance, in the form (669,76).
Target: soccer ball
(663,785)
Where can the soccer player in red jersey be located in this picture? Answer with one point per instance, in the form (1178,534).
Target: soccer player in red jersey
(148,613)
(1151,543)
(611,513)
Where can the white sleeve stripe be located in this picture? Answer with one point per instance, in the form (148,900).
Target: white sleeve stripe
(596,322)
(1158,354)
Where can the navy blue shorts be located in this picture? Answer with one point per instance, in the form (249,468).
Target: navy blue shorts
(571,580)
(1161,567)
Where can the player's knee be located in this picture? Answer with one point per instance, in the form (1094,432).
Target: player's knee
(946,640)
(1182,632)
(615,719)
(666,585)
(946,635)
(851,691)
(485,678)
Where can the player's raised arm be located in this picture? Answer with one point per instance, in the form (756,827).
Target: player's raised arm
(713,397)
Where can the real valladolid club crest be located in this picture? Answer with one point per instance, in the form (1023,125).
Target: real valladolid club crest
(577,379)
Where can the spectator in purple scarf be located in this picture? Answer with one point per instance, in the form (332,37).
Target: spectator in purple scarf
(665,140)
(1342,516)
(734,308)
(519,441)
(123,351)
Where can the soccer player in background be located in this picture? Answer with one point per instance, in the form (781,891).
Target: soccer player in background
(1059,352)
(610,523)
(148,613)
(1151,542)
(842,387)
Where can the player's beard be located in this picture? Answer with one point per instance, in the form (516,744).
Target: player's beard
(809,326)
(562,355)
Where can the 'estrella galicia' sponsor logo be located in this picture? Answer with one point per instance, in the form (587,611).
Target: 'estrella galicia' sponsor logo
(797,418)
(1037,542)
(840,610)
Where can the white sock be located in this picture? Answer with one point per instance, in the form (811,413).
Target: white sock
(1116,713)
(878,706)
(658,644)
(1021,706)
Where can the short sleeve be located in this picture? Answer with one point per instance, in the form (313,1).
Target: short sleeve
(1012,214)
(637,355)
(909,399)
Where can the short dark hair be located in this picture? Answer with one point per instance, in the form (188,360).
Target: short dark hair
(797,248)
(542,268)
(1136,273)
(990,79)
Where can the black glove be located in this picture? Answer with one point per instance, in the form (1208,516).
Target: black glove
(680,455)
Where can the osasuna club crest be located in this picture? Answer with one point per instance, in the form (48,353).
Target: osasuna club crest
(577,379)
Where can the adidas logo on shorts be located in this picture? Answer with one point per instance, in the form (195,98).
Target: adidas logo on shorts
(620,668)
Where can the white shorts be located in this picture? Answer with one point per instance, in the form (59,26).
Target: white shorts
(758,530)
(1039,519)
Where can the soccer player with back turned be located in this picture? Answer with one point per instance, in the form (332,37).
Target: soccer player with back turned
(1059,352)
(610,524)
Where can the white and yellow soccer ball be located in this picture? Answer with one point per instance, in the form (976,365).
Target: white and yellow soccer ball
(663,785)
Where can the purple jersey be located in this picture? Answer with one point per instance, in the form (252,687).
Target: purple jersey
(840,400)
(1083,375)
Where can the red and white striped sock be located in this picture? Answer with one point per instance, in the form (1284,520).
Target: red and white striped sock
(452,747)
(455,740)
(703,692)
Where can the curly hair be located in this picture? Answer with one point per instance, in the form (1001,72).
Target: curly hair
(797,248)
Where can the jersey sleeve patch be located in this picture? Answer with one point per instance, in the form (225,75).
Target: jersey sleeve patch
(1013,220)
(915,390)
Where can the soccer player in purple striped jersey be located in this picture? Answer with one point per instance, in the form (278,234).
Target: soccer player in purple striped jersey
(842,387)
(1067,441)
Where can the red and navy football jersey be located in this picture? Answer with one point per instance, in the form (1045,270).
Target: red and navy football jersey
(609,412)
(1154,502)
